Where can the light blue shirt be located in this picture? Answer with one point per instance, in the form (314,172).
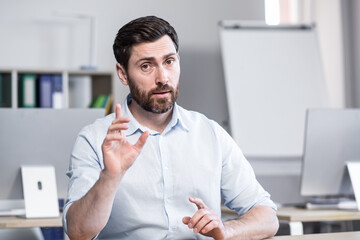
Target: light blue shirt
(193,156)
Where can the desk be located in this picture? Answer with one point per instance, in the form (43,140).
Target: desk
(296,216)
(322,236)
(19,222)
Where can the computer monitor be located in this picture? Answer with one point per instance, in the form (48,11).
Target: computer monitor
(332,138)
(38,137)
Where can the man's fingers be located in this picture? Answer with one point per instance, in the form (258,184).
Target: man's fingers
(210,226)
(121,120)
(118,111)
(141,141)
(186,220)
(203,222)
(198,216)
(113,137)
(198,202)
(202,210)
(117,127)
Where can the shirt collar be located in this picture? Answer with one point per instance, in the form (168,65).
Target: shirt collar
(177,119)
(135,126)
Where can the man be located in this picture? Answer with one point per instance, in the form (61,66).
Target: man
(153,170)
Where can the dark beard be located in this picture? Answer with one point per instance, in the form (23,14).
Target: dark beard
(151,104)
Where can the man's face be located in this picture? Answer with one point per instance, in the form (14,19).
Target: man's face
(153,75)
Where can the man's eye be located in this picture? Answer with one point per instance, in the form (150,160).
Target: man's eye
(169,61)
(145,67)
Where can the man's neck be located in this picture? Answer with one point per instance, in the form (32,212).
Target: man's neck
(154,121)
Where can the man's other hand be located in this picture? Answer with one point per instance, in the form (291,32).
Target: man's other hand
(205,221)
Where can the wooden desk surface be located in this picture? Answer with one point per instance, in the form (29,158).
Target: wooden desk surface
(19,222)
(306,215)
(322,236)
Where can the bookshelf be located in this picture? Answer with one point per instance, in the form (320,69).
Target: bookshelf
(21,88)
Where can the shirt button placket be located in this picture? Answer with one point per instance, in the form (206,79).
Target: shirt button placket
(168,182)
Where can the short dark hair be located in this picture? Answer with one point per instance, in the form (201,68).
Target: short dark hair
(140,30)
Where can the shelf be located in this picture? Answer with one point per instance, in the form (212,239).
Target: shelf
(78,88)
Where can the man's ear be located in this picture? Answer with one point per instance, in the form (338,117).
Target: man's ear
(122,74)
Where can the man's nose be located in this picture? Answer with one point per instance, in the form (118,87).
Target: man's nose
(162,76)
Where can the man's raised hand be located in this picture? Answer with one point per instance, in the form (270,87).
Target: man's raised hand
(118,153)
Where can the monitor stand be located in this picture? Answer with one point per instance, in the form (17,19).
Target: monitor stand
(341,202)
(354,172)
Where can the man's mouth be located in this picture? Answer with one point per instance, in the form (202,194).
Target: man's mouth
(162,92)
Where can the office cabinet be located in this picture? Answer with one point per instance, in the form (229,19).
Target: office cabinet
(43,88)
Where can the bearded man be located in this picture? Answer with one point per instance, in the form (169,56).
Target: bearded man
(153,170)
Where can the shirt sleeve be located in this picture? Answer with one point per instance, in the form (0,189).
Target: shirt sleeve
(84,168)
(239,187)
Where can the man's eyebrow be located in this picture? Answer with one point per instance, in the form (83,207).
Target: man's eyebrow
(152,58)
(145,59)
(169,55)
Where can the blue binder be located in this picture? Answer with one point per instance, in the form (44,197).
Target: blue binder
(45,91)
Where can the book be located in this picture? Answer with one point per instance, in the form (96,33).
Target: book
(108,104)
(103,101)
(5,90)
(27,91)
(45,91)
(57,91)
(99,101)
